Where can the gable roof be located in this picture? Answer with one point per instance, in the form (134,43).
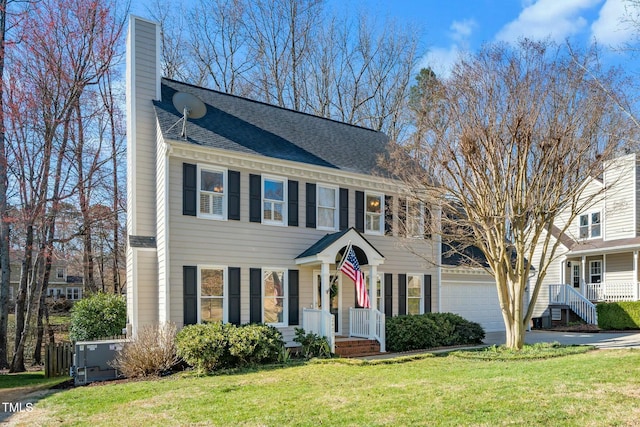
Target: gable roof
(246,126)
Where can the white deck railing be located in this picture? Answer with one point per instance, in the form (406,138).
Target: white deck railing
(567,295)
(316,321)
(359,325)
(612,291)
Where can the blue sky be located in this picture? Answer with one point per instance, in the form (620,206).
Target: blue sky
(452,26)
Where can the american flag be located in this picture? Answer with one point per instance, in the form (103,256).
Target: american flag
(351,268)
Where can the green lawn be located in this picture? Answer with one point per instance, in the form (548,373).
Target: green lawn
(596,388)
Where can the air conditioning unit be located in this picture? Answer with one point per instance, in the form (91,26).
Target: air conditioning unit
(91,360)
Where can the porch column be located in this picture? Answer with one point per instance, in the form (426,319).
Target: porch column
(636,296)
(583,282)
(373,279)
(325,278)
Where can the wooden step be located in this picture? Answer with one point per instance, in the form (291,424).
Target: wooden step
(356,347)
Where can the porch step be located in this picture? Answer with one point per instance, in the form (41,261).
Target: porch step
(356,347)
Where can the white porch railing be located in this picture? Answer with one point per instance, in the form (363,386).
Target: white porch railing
(567,295)
(317,321)
(612,291)
(359,325)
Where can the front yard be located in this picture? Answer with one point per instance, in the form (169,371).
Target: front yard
(600,387)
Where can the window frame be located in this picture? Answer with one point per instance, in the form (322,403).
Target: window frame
(285,200)
(336,207)
(379,289)
(367,230)
(225,291)
(421,298)
(410,216)
(73,288)
(285,296)
(58,273)
(592,263)
(225,193)
(590,225)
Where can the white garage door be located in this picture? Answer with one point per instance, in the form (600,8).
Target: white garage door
(474,298)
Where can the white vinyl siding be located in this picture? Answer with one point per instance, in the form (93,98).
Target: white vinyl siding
(212,193)
(373,215)
(274,200)
(212,289)
(327,207)
(620,209)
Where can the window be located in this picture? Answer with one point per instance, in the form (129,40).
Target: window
(274,199)
(54,293)
(74,293)
(595,271)
(273,296)
(415,219)
(60,273)
(414,294)
(374,206)
(327,205)
(212,293)
(212,184)
(575,275)
(589,225)
(379,290)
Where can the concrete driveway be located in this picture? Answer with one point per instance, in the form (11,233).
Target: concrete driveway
(605,340)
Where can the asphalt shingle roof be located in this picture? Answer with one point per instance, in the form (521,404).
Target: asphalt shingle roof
(247,126)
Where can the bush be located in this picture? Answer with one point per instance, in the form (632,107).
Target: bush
(98,316)
(312,345)
(152,352)
(405,333)
(214,346)
(619,315)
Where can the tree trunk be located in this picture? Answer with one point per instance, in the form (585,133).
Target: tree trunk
(5,263)
(17,362)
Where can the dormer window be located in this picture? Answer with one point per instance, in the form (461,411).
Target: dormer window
(589,227)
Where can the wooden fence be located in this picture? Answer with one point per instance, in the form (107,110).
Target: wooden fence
(58,359)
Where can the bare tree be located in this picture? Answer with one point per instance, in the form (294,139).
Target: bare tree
(517,132)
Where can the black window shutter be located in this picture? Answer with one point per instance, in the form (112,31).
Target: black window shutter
(292,194)
(388,215)
(294,298)
(427,222)
(388,294)
(402,217)
(360,211)
(427,293)
(255,198)
(190,294)
(344,208)
(255,295)
(311,205)
(189,189)
(402,294)
(233,208)
(234,295)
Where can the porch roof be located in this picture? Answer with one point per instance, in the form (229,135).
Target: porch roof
(327,248)
(604,246)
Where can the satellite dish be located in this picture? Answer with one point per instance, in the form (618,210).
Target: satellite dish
(190,106)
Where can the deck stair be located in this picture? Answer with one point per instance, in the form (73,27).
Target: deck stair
(356,347)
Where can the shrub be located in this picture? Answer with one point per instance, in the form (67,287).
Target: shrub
(214,346)
(404,333)
(151,352)
(98,316)
(619,315)
(312,345)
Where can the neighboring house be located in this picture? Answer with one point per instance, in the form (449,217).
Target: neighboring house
(245,218)
(598,256)
(61,284)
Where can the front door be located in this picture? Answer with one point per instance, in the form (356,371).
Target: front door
(335,299)
(575,274)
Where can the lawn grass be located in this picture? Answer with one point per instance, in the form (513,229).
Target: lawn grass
(595,388)
(28,379)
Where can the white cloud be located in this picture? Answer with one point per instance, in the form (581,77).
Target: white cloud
(462,30)
(441,60)
(554,19)
(609,28)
